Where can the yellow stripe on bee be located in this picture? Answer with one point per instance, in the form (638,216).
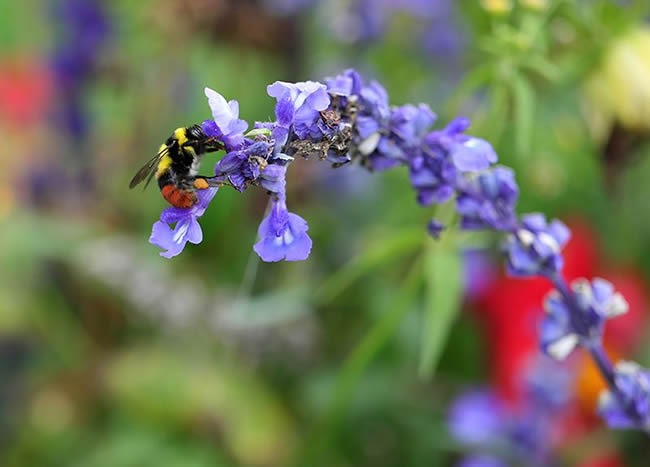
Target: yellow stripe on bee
(180,134)
(165,162)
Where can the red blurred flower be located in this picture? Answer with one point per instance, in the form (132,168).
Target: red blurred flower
(25,91)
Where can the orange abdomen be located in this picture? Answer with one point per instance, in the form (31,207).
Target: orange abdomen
(178,197)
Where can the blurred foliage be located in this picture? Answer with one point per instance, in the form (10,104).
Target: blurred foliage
(113,356)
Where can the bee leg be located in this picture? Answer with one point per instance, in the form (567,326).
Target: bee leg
(202,183)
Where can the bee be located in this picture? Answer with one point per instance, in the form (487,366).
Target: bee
(176,166)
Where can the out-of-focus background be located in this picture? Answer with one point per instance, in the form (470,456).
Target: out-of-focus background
(112,356)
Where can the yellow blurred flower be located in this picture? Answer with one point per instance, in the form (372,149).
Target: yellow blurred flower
(619,90)
(497,6)
(535,4)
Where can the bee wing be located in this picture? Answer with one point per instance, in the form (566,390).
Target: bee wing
(148,170)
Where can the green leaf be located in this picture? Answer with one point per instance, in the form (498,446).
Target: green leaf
(164,387)
(524,114)
(383,250)
(544,67)
(443,271)
(358,361)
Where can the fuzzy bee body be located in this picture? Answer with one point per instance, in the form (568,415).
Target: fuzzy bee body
(176,166)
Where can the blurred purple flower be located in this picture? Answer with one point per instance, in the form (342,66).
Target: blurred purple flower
(488,200)
(476,418)
(535,248)
(483,423)
(633,382)
(482,460)
(84,28)
(187,227)
(580,321)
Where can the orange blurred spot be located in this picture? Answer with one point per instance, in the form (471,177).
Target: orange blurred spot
(589,382)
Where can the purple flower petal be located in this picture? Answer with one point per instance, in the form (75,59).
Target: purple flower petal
(283,235)
(187,228)
(473,155)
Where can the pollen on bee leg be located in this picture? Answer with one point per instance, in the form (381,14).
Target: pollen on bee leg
(201,184)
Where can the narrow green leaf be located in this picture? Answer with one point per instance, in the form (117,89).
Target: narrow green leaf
(524,114)
(378,252)
(496,117)
(544,67)
(358,360)
(443,270)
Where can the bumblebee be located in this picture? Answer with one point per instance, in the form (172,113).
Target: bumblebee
(176,166)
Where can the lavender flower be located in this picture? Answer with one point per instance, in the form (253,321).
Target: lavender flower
(468,154)
(187,227)
(283,235)
(633,382)
(582,319)
(300,104)
(534,249)
(226,126)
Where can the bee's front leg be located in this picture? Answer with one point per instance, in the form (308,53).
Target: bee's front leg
(202,183)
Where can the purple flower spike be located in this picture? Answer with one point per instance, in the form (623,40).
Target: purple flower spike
(567,325)
(187,227)
(300,104)
(535,248)
(226,126)
(633,382)
(283,235)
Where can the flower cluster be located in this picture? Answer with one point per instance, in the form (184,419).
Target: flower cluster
(535,247)
(563,328)
(496,432)
(634,383)
(344,120)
